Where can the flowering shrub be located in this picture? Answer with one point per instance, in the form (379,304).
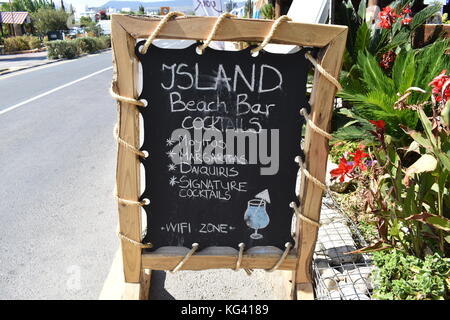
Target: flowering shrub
(387,60)
(350,168)
(396,101)
(441,88)
(407,188)
(388,16)
(393,32)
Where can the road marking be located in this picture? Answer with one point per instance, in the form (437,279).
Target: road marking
(51,91)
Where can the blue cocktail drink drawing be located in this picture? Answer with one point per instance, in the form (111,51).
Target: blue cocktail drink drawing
(256,217)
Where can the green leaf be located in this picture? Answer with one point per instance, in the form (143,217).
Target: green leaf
(396,26)
(380,245)
(373,75)
(362,37)
(413,147)
(402,37)
(362,10)
(403,71)
(420,138)
(427,127)
(422,16)
(409,203)
(444,159)
(425,183)
(447,238)
(432,219)
(352,133)
(378,39)
(426,163)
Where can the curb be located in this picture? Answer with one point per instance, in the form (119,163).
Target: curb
(8,71)
(26,51)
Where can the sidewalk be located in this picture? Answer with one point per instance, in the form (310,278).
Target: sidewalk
(14,62)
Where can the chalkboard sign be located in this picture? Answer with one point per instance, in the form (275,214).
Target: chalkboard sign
(222,130)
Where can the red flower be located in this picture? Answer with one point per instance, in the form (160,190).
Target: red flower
(344,169)
(387,60)
(406,20)
(441,86)
(387,17)
(358,155)
(384,24)
(380,124)
(407,10)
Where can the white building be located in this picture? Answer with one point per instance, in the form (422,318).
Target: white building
(105,25)
(84,11)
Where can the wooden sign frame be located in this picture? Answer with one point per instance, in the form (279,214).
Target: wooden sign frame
(126,29)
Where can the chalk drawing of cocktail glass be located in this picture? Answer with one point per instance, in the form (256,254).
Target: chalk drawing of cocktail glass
(256,217)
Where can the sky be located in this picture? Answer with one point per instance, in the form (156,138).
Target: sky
(79,4)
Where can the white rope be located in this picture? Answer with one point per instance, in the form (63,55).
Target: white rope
(288,246)
(240,254)
(269,36)
(126,144)
(126,99)
(303,217)
(158,28)
(323,71)
(214,30)
(127,202)
(239,259)
(313,126)
(186,258)
(134,242)
(308,175)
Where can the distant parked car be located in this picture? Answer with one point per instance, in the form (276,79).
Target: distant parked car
(76,30)
(55,35)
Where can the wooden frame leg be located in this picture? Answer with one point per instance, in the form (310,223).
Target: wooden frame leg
(128,164)
(304,291)
(116,288)
(138,291)
(316,150)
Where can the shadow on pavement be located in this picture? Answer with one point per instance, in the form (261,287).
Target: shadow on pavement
(18,59)
(157,289)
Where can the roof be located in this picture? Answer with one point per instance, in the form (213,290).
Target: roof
(16,17)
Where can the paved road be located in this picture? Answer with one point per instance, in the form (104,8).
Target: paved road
(19,61)
(57,168)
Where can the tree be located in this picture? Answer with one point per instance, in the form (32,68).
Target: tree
(46,20)
(86,22)
(26,5)
(63,8)
(90,26)
(141,9)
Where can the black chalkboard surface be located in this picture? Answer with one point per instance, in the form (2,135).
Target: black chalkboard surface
(222,130)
